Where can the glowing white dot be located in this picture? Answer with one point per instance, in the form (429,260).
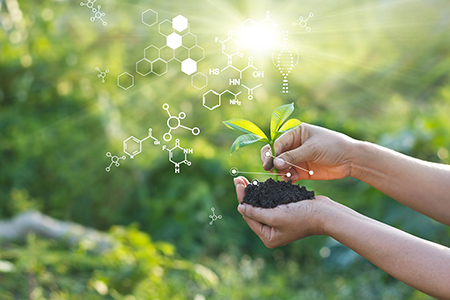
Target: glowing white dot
(268,154)
(255,182)
(288,174)
(311,172)
(233,171)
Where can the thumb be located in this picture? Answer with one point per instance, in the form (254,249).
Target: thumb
(293,157)
(261,215)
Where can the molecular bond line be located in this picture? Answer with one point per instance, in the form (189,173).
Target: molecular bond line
(235,171)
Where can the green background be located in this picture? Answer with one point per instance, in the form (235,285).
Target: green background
(374,70)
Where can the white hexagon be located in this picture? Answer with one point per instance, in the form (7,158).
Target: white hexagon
(125,80)
(144,67)
(180,23)
(211,100)
(199,81)
(149,17)
(174,41)
(189,66)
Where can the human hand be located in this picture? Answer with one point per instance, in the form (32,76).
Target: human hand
(285,223)
(327,153)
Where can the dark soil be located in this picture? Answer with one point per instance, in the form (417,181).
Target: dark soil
(271,193)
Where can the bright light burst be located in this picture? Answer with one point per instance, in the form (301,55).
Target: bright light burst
(259,36)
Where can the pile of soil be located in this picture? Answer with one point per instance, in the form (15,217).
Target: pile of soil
(271,193)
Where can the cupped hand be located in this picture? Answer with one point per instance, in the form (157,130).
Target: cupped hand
(328,154)
(285,223)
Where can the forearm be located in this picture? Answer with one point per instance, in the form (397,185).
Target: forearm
(423,186)
(419,263)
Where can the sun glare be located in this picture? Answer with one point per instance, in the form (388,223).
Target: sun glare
(259,37)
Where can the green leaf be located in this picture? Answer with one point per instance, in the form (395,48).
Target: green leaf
(279,116)
(245,126)
(245,140)
(289,125)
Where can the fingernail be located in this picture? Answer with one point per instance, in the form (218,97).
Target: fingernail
(279,163)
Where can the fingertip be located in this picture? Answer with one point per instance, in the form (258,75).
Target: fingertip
(241,208)
(240,181)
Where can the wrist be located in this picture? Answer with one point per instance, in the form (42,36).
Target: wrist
(359,157)
(332,215)
(326,211)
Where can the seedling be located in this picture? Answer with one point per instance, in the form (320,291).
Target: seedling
(278,125)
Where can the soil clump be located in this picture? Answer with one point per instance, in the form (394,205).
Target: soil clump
(271,193)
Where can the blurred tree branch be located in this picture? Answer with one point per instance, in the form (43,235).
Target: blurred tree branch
(27,222)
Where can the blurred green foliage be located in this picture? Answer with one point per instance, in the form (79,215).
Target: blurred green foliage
(375,70)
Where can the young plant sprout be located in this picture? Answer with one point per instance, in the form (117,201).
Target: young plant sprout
(279,124)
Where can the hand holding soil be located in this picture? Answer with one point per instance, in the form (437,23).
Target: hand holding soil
(283,224)
(327,153)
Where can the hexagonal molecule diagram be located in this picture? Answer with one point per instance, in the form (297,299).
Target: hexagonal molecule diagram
(149,17)
(231,48)
(133,146)
(125,80)
(178,155)
(181,45)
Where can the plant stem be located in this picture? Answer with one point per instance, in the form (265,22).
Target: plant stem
(274,170)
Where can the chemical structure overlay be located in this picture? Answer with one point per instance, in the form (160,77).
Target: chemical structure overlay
(250,90)
(181,154)
(213,99)
(125,80)
(285,59)
(304,22)
(231,48)
(102,74)
(180,45)
(133,146)
(95,10)
(114,160)
(174,122)
(214,217)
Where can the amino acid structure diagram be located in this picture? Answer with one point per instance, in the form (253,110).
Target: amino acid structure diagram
(96,11)
(174,122)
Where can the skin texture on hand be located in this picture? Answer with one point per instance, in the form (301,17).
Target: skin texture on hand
(326,152)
